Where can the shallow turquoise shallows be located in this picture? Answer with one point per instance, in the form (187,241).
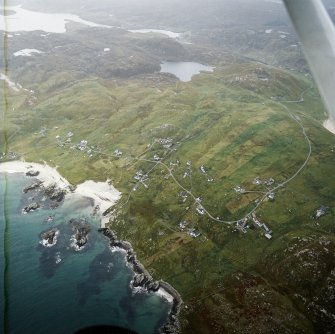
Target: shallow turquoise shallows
(57,289)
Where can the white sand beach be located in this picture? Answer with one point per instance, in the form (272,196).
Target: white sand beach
(329,124)
(103,193)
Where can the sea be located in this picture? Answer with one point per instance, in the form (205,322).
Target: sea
(60,290)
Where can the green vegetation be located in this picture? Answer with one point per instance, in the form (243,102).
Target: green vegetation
(234,123)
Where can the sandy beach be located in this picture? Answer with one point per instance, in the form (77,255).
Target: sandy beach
(103,194)
(329,124)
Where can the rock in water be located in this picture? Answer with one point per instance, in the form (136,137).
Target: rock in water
(49,238)
(32,186)
(31,207)
(54,193)
(80,237)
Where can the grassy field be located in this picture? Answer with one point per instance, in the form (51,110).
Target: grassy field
(235,124)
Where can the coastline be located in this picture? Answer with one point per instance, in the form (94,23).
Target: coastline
(329,124)
(142,279)
(103,194)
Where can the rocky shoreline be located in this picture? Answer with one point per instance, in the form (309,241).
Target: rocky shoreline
(49,188)
(48,180)
(143,279)
(54,194)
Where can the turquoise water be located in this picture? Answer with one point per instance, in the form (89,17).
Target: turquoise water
(87,287)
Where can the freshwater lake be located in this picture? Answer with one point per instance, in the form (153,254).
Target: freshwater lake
(184,71)
(168,33)
(20,19)
(57,289)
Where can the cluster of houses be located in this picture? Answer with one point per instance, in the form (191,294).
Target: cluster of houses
(190,231)
(118,153)
(138,175)
(203,171)
(239,189)
(188,171)
(200,210)
(175,164)
(271,196)
(166,142)
(242,225)
(9,155)
(183,195)
(81,146)
(157,157)
(256,181)
(268,182)
(258,224)
(142,178)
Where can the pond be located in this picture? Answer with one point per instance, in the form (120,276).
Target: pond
(184,71)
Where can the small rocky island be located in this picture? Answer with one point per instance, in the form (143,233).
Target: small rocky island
(30,207)
(49,238)
(81,230)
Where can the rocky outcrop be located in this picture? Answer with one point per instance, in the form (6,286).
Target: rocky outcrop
(32,173)
(72,188)
(96,210)
(143,279)
(49,238)
(54,193)
(33,186)
(172,325)
(80,237)
(30,207)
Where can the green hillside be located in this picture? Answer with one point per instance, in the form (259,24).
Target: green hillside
(197,158)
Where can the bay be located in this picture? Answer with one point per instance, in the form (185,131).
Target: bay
(57,289)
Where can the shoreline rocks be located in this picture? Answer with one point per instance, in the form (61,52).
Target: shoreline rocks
(96,210)
(54,193)
(32,173)
(143,279)
(30,207)
(33,186)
